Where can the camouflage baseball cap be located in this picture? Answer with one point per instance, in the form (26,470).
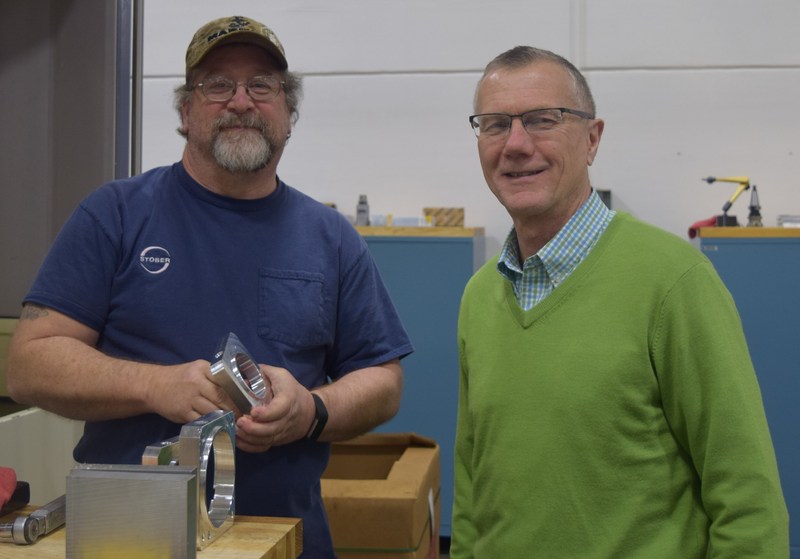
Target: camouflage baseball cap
(236,29)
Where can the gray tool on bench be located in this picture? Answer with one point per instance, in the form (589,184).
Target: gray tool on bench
(27,529)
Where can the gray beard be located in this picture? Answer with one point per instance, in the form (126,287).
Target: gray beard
(244,151)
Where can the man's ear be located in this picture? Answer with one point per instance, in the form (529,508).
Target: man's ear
(595,133)
(184,129)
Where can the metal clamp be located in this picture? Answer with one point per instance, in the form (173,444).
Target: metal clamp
(237,373)
(209,439)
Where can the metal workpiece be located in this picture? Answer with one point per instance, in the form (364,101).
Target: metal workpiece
(238,374)
(118,510)
(212,437)
(27,529)
(208,443)
(178,501)
(164,453)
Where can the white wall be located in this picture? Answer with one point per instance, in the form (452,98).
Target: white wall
(38,445)
(687,90)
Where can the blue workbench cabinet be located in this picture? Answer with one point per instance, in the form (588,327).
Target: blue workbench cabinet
(425,270)
(761,268)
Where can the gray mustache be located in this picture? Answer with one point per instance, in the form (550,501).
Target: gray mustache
(246,121)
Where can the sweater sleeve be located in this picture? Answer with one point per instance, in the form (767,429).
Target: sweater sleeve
(713,404)
(464,533)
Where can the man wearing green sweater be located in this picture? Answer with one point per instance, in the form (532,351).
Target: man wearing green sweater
(608,406)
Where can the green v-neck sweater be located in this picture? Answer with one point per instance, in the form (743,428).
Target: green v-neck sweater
(618,418)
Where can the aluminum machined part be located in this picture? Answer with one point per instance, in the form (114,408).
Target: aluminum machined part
(214,432)
(206,440)
(238,374)
(164,453)
(119,510)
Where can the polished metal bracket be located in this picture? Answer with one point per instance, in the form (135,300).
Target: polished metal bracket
(209,444)
(238,374)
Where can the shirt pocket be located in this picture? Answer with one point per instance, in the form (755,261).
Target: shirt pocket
(291,307)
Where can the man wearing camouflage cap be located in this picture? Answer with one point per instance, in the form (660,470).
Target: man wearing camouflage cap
(150,273)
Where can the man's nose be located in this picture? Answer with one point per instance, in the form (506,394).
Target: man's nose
(518,137)
(241,98)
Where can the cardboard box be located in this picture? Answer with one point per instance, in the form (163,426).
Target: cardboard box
(7,326)
(444,217)
(381,492)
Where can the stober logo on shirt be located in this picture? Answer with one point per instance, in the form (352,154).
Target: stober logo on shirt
(154,259)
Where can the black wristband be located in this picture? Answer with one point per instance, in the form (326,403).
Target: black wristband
(320,418)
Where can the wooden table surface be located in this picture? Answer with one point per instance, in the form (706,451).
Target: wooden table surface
(373,231)
(250,537)
(745,232)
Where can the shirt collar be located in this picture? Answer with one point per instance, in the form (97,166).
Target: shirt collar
(562,254)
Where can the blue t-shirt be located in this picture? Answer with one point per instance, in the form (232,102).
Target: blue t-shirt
(164,269)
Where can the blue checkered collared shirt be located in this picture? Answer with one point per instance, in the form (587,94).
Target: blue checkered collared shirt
(555,261)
